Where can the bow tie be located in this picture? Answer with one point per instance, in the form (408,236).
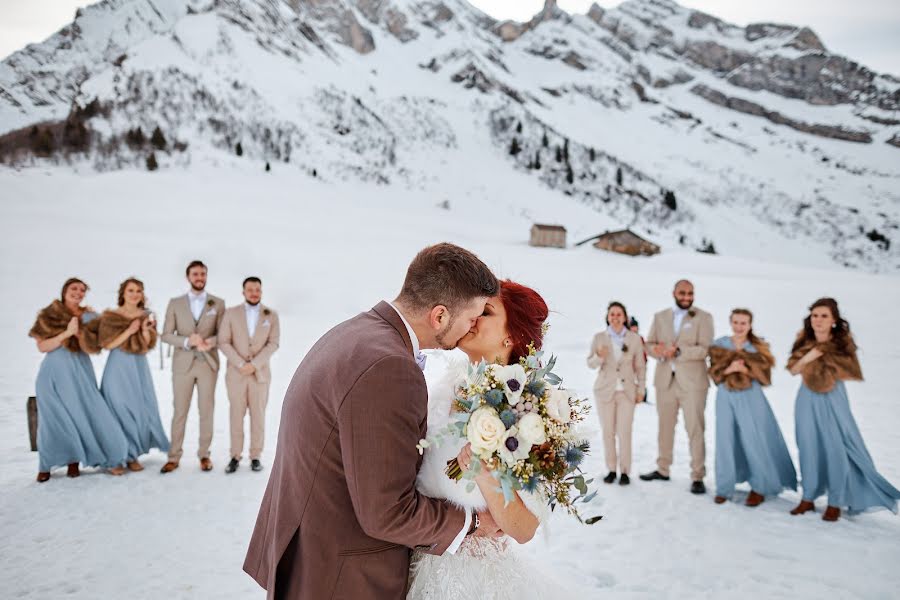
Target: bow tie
(420,360)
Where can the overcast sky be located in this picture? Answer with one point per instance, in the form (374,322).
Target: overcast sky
(865,30)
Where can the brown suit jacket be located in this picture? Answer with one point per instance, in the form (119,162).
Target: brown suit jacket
(238,347)
(630,368)
(694,340)
(341,510)
(180,324)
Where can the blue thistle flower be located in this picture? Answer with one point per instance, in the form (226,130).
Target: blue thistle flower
(494,397)
(508,417)
(535,388)
(530,485)
(574,456)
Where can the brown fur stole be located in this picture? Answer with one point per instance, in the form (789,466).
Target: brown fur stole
(52,320)
(112,325)
(759,364)
(822,374)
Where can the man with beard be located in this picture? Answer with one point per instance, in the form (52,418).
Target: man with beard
(191,325)
(341,509)
(679,340)
(248,337)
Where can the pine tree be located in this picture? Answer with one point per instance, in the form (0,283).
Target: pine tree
(619,176)
(519,127)
(669,200)
(238,149)
(315,173)
(152,165)
(158,140)
(591,154)
(566,150)
(545,141)
(268,168)
(514,148)
(559,155)
(537,160)
(570,176)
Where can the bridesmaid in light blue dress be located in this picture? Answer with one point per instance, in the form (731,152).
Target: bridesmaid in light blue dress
(749,444)
(833,457)
(129,332)
(74,424)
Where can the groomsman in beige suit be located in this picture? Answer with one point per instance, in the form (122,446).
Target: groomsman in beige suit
(679,339)
(248,337)
(191,326)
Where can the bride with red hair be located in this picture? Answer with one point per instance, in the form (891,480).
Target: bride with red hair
(484,567)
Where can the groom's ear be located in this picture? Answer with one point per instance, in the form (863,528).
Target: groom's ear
(438,317)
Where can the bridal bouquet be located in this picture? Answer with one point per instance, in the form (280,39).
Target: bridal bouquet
(521,423)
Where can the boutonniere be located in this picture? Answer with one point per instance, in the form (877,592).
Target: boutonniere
(692,313)
(210,302)
(267,312)
(624,348)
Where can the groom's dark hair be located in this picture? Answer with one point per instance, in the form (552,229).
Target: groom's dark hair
(446,274)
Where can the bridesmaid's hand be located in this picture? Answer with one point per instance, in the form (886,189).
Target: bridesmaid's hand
(134,326)
(71,328)
(811,356)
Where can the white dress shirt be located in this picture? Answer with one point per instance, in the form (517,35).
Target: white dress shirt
(678,315)
(252,314)
(618,340)
(197,302)
(458,540)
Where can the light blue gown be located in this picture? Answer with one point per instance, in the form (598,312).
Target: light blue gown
(833,457)
(128,389)
(74,423)
(749,444)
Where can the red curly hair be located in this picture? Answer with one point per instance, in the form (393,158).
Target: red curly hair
(526,312)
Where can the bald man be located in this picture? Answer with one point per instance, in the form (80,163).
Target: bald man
(679,340)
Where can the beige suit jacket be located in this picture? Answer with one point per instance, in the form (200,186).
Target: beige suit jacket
(630,368)
(341,510)
(239,348)
(693,340)
(180,324)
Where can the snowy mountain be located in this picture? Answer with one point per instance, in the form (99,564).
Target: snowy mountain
(771,145)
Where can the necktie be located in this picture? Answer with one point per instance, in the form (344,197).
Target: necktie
(420,360)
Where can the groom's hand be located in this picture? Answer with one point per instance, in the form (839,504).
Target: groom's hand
(487,526)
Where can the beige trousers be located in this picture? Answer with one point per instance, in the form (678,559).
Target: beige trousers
(693,404)
(201,375)
(616,418)
(245,393)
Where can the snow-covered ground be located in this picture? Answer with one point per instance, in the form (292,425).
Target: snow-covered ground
(328,251)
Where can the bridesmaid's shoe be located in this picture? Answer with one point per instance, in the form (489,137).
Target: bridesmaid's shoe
(624,479)
(832,513)
(43,476)
(610,477)
(206,464)
(73,470)
(255,465)
(135,466)
(117,471)
(754,499)
(720,499)
(804,507)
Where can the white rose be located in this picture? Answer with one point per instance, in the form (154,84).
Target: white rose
(485,431)
(531,430)
(558,406)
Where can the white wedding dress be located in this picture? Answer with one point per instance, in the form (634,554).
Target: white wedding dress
(482,568)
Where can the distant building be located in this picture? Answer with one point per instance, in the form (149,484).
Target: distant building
(552,236)
(626,241)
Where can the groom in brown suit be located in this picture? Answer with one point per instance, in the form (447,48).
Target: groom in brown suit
(341,510)
(679,339)
(191,325)
(249,336)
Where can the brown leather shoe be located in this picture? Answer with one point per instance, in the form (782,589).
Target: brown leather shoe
(73,470)
(43,476)
(754,499)
(804,507)
(720,499)
(832,513)
(116,471)
(135,466)
(206,464)
(169,467)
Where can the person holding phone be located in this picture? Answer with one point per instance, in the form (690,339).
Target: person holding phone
(129,333)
